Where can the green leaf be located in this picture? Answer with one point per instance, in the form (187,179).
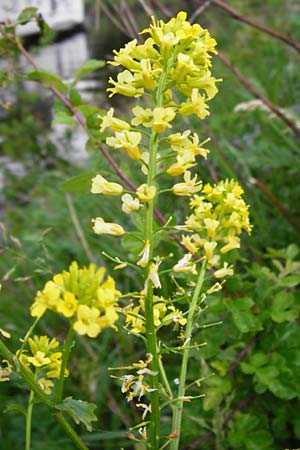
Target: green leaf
(132,243)
(80,184)
(14,407)
(26,15)
(63,119)
(290,281)
(266,375)
(47,79)
(89,66)
(75,97)
(80,411)
(282,307)
(242,315)
(259,440)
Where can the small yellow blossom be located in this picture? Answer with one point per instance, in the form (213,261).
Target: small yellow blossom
(101,186)
(5,371)
(195,105)
(129,140)
(185,266)
(68,305)
(47,298)
(130,204)
(115,124)
(101,227)
(215,288)
(87,321)
(224,271)
(144,255)
(125,85)
(161,118)
(153,275)
(4,333)
(142,117)
(146,193)
(39,359)
(211,226)
(189,187)
(46,385)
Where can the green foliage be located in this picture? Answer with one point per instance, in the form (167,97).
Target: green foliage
(260,309)
(80,411)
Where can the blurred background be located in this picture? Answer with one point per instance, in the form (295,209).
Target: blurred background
(252,400)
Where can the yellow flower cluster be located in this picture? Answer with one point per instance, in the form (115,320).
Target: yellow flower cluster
(219,216)
(164,314)
(44,358)
(185,49)
(81,295)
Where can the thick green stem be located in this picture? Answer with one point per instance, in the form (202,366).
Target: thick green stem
(29,379)
(64,362)
(177,414)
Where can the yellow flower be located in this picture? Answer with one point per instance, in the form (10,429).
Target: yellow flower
(129,140)
(146,193)
(161,118)
(189,187)
(68,305)
(125,85)
(130,204)
(185,266)
(153,275)
(211,226)
(39,359)
(101,186)
(142,117)
(187,242)
(47,298)
(87,321)
(145,255)
(183,163)
(224,271)
(115,124)
(101,227)
(5,371)
(195,105)
(46,385)
(232,243)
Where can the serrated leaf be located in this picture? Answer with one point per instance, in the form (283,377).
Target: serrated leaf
(47,79)
(80,184)
(26,15)
(89,66)
(80,411)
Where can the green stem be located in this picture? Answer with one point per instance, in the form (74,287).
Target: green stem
(28,420)
(29,379)
(28,334)
(64,362)
(177,415)
(149,232)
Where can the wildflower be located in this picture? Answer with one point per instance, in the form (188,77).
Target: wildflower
(189,187)
(101,227)
(146,408)
(5,371)
(101,186)
(196,104)
(4,333)
(145,255)
(130,204)
(146,193)
(47,298)
(46,385)
(142,117)
(224,271)
(115,124)
(161,118)
(215,288)
(184,265)
(184,162)
(129,140)
(68,305)
(39,359)
(87,321)
(125,85)
(153,275)
(211,226)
